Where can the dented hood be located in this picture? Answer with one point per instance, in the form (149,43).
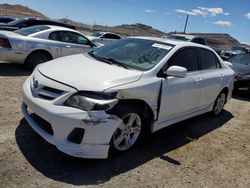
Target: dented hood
(85,73)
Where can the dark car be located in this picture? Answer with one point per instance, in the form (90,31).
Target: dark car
(192,38)
(241,66)
(6,19)
(27,22)
(227,54)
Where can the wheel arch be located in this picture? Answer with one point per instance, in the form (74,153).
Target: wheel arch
(36,51)
(225,90)
(143,105)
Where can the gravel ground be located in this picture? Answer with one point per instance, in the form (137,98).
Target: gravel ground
(199,152)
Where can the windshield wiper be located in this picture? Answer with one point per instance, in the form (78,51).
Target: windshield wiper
(113,61)
(107,60)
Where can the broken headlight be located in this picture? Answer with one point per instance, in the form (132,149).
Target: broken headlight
(91,101)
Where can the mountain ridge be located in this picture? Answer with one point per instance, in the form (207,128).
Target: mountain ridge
(217,40)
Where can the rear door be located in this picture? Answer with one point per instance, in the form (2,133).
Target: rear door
(211,77)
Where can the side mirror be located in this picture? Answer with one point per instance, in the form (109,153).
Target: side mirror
(176,71)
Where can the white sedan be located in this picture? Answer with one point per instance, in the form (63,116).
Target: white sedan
(88,104)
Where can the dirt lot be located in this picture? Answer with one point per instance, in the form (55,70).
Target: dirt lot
(200,152)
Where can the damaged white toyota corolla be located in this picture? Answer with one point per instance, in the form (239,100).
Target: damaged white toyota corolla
(88,104)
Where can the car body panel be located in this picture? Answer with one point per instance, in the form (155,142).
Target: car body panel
(83,67)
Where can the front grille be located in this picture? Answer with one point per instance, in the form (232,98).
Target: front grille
(53,90)
(47,93)
(43,124)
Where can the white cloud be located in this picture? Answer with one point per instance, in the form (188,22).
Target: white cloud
(198,12)
(247,15)
(203,11)
(223,23)
(211,11)
(149,11)
(185,12)
(226,13)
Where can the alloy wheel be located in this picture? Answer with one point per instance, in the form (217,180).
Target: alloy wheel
(219,103)
(128,132)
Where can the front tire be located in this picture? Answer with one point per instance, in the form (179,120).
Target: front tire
(129,131)
(219,104)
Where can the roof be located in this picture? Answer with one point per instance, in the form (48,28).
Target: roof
(190,37)
(173,42)
(55,27)
(165,40)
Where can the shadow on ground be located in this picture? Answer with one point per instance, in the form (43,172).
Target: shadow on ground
(242,94)
(12,69)
(60,167)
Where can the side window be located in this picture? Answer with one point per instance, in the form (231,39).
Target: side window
(187,58)
(54,36)
(75,38)
(208,60)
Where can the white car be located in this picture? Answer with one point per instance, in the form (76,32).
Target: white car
(37,44)
(90,103)
(103,37)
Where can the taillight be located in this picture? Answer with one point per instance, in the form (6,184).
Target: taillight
(5,43)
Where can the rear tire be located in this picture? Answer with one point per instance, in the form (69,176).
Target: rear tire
(219,104)
(130,130)
(37,58)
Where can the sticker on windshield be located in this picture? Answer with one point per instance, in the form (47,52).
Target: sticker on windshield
(162,46)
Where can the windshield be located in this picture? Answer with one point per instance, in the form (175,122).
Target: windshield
(16,22)
(31,30)
(241,59)
(97,34)
(178,38)
(139,54)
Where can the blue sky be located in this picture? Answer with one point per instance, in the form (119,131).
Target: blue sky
(218,16)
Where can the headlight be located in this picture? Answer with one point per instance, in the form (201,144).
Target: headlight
(89,101)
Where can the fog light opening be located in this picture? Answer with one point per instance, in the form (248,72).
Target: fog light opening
(76,135)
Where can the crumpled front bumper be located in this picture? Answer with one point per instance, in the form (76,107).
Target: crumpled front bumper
(99,126)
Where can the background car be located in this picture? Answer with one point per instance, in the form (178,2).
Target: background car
(105,100)
(192,38)
(27,22)
(227,54)
(38,44)
(6,19)
(104,37)
(241,66)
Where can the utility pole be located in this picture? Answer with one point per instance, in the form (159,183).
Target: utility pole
(186,23)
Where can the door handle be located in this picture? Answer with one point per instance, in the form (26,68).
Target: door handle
(68,46)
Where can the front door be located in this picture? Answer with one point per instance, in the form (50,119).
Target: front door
(181,96)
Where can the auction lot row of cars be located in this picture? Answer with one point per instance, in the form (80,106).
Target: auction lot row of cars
(107,96)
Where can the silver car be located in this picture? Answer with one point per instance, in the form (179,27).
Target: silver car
(37,44)
(104,37)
